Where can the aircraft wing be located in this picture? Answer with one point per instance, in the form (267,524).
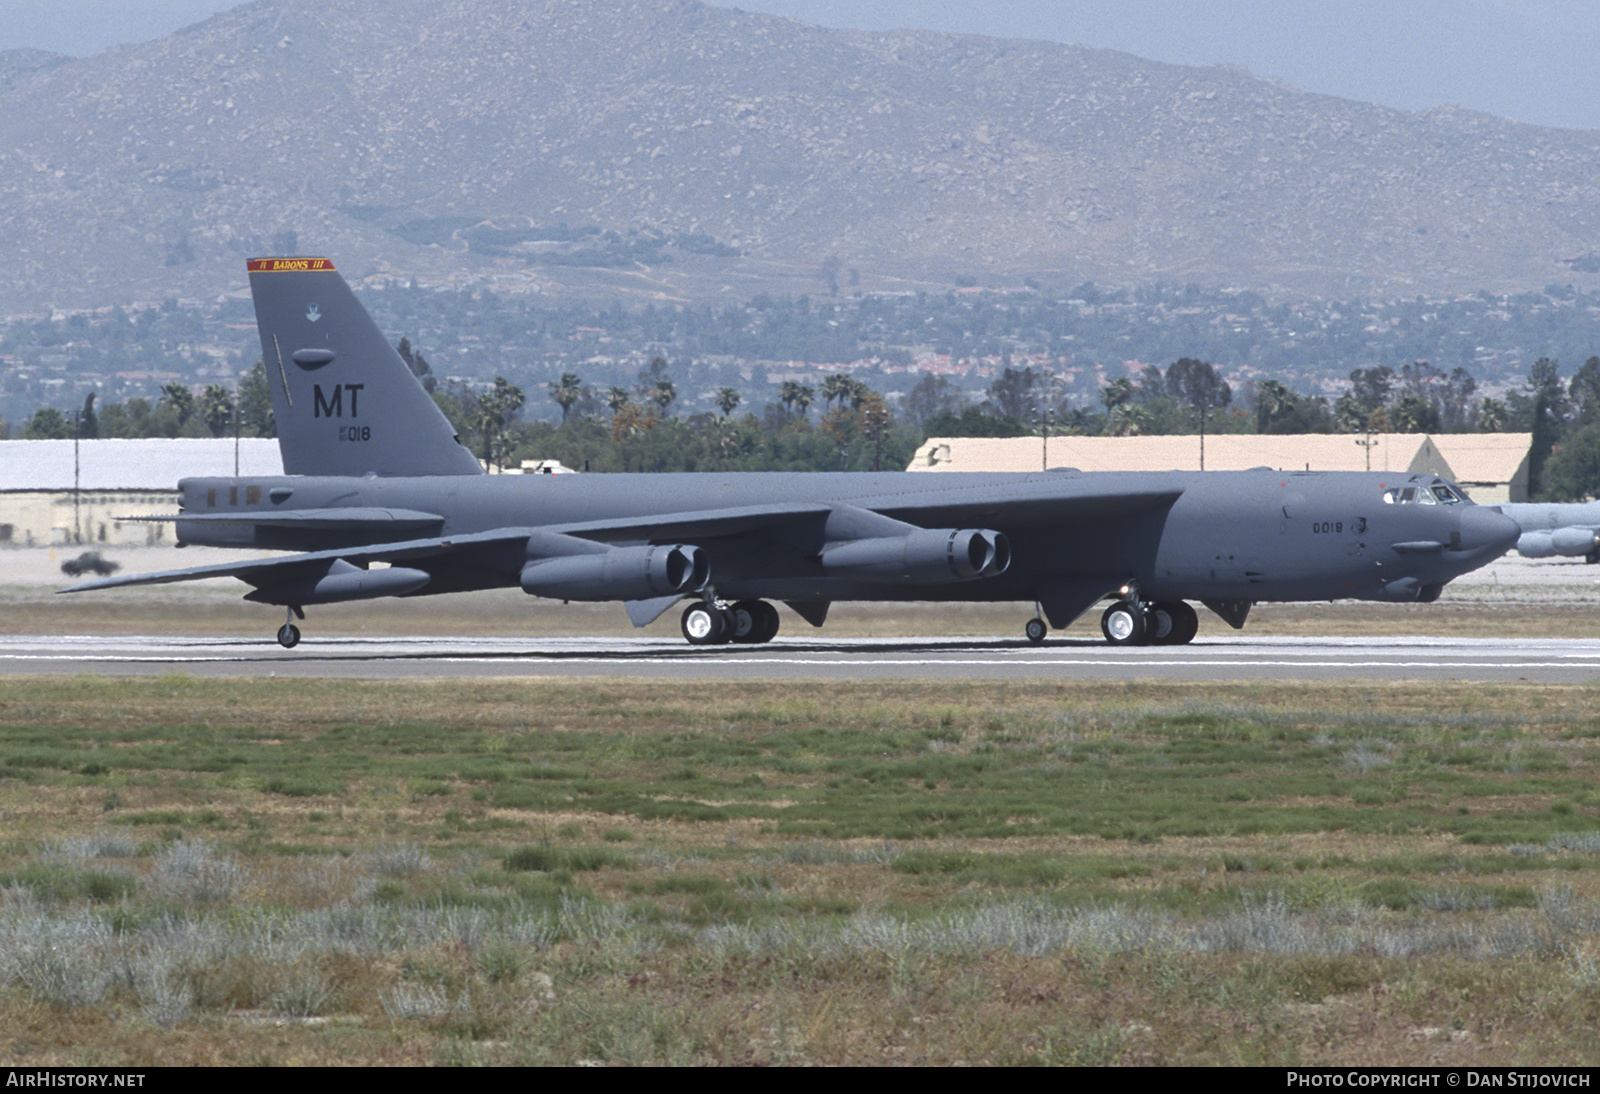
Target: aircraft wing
(265,571)
(1005,506)
(869,537)
(1039,502)
(705,524)
(504,548)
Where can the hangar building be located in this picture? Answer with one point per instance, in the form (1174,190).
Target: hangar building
(1492,467)
(51,493)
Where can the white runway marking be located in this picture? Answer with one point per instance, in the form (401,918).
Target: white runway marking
(1551,661)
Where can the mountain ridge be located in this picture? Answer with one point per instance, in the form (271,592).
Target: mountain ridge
(890,160)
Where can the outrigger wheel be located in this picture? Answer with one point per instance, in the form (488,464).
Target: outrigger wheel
(289,634)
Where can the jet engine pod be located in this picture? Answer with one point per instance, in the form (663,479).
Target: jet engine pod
(1573,542)
(1408,590)
(342,581)
(618,573)
(1536,545)
(925,557)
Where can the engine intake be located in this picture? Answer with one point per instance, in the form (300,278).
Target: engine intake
(927,556)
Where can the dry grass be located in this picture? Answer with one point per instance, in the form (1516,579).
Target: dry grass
(265,871)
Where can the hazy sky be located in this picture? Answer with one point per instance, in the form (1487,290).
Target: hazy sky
(1530,60)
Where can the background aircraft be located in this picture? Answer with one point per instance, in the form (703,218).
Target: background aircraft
(1569,529)
(381,499)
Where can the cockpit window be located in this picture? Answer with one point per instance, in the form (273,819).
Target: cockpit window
(1437,494)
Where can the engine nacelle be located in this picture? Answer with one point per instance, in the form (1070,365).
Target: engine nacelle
(1568,542)
(928,556)
(340,582)
(1408,590)
(617,573)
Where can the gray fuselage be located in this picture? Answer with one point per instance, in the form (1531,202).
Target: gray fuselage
(1250,535)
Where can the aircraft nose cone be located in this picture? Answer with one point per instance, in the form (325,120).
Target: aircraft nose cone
(1484,530)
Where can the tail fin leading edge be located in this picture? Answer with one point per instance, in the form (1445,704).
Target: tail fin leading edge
(345,402)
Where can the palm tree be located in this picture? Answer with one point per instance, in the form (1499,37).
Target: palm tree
(835,388)
(179,400)
(663,395)
(1128,420)
(1493,417)
(788,395)
(566,392)
(727,400)
(1272,399)
(216,409)
(496,409)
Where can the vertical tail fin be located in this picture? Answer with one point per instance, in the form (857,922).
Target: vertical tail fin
(345,402)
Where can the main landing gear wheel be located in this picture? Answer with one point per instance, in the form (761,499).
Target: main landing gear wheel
(1174,624)
(1123,624)
(752,621)
(288,636)
(704,625)
(1036,630)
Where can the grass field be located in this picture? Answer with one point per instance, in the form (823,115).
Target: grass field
(255,871)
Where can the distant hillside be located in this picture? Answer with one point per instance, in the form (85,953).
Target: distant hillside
(664,147)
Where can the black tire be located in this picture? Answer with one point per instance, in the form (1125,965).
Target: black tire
(746,622)
(1172,623)
(1123,624)
(703,626)
(288,636)
(1185,624)
(1036,630)
(768,621)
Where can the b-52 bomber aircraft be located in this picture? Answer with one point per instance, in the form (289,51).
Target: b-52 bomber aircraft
(380,499)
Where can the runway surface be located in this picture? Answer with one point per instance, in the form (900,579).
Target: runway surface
(1559,661)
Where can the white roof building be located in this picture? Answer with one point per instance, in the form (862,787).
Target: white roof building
(1492,467)
(50,493)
